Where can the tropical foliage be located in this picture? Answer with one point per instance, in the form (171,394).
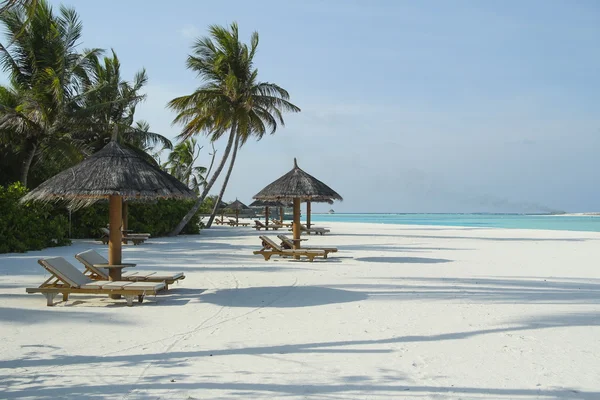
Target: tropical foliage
(182,164)
(45,71)
(230,100)
(61,104)
(108,109)
(157,218)
(26,227)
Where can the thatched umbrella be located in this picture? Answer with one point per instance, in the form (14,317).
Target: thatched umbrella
(298,186)
(237,206)
(117,173)
(266,205)
(222,208)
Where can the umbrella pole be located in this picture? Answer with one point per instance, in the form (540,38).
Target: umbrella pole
(296,225)
(267,217)
(281,214)
(115,217)
(125,216)
(308,214)
(237,214)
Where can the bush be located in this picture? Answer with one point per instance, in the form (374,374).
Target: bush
(25,227)
(36,225)
(158,218)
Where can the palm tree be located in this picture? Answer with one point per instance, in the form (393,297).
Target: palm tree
(109,105)
(181,162)
(229,100)
(7,5)
(46,72)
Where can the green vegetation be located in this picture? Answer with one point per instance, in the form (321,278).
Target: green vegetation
(26,227)
(35,226)
(156,218)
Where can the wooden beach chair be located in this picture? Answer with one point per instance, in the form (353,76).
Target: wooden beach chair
(91,259)
(219,221)
(67,279)
(288,243)
(271,248)
(280,224)
(316,230)
(135,238)
(259,225)
(233,223)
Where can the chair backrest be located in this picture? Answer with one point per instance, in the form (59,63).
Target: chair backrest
(257,222)
(91,257)
(286,240)
(65,271)
(105,231)
(270,243)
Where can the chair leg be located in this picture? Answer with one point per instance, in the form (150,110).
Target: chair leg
(65,296)
(129,299)
(267,256)
(141,298)
(50,298)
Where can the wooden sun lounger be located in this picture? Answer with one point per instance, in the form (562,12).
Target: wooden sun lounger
(318,231)
(259,225)
(288,243)
(91,260)
(135,238)
(271,248)
(233,223)
(281,224)
(67,279)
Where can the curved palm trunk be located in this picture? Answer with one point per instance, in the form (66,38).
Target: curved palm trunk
(210,184)
(27,165)
(231,163)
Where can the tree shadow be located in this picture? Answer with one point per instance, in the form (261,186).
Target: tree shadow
(541,290)
(282,296)
(41,389)
(53,315)
(404,260)
(497,239)
(395,248)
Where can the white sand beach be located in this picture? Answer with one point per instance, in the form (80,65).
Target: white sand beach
(400,312)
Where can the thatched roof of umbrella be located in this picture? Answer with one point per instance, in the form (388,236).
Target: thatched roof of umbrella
(222,205)
(114,170)
(237,205)
(298,184)
(266,203)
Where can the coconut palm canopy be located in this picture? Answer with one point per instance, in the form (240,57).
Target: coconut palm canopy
(237,205)
(298,184)
(114,170)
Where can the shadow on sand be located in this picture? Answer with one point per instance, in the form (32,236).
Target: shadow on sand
(404,260)
(44,385)
(282,296)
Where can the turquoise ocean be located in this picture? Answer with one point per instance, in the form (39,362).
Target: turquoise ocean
(518,221)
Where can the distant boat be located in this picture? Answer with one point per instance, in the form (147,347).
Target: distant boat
(331,211)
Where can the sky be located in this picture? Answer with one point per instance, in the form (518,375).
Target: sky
(428,106)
